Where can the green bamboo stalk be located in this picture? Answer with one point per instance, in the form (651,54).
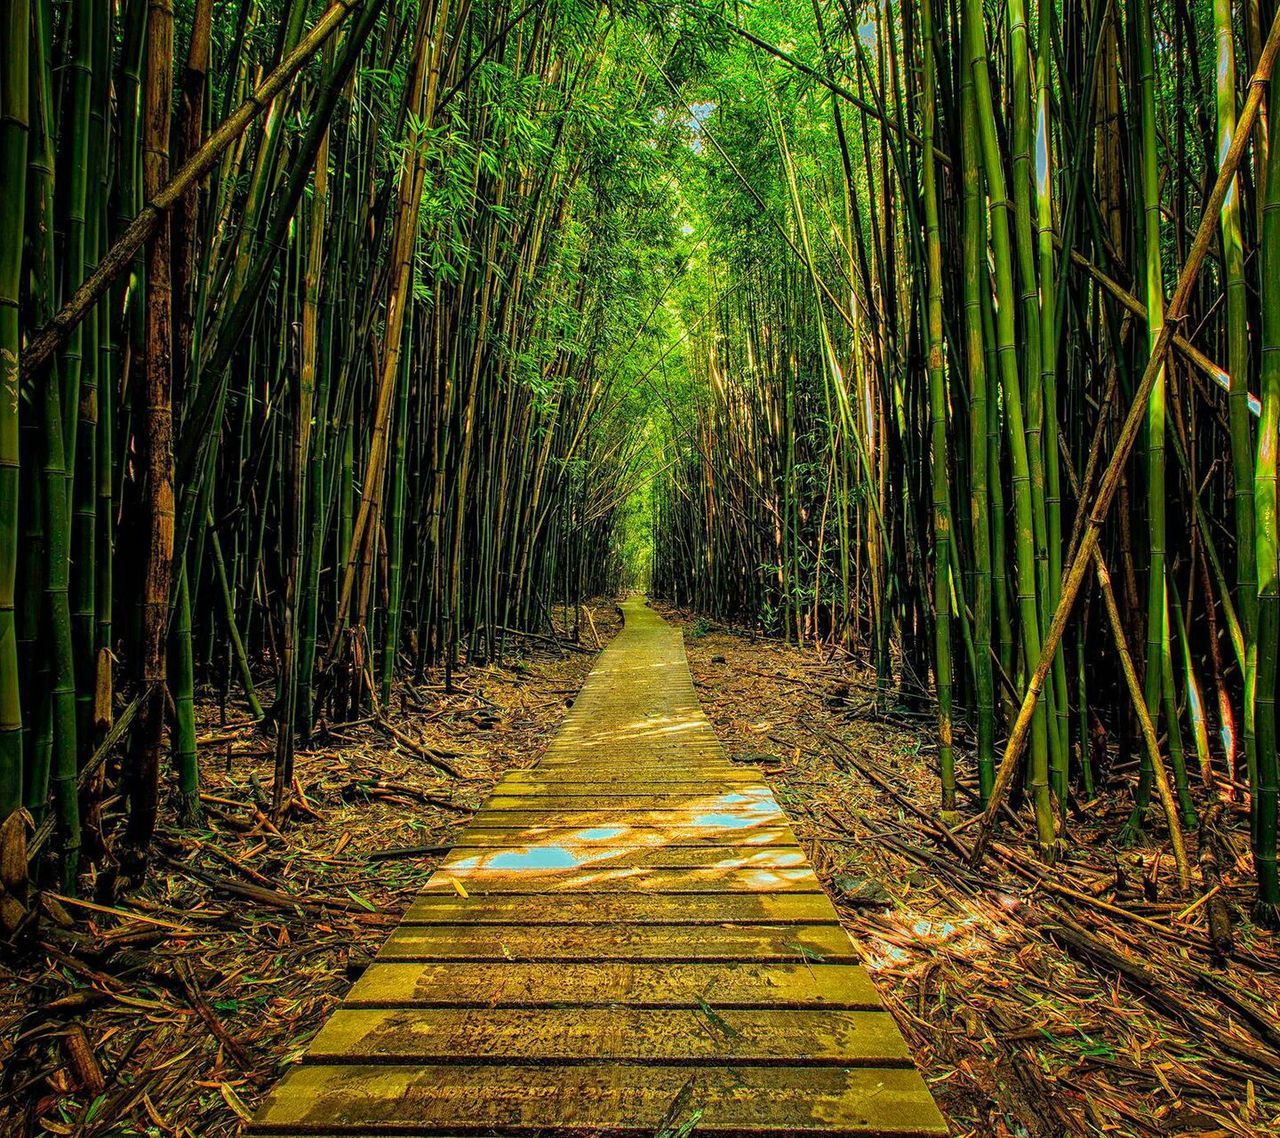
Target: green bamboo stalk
(1262,678)
(58,614)
(40,710)
(310,452)
(1238,367)
(91,581)
(185,759)
(974,239)
(1047,308)
(395,528)
(59,703)
(938,418)
(74,173)
(1028,605)
(1153,279)
(15,24)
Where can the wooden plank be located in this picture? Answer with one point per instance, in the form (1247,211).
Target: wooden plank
(655,943)
(535,776)
(695,1037)
(578,1100)
(602,792)
(619,908)
(621,879)
(626,762)
(729,820)
(658,771)
(711,810)
(635,836)
(688,738)
(747,984)
(698,800)
(676,742)
(652,857)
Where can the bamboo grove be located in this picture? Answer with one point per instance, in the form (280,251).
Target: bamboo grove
(988,387)
(343,340)
(310,339)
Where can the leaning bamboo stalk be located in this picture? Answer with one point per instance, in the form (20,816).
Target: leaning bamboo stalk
(166,195)
(421,102)
(1130,302)
(1138,699)
(1113,475)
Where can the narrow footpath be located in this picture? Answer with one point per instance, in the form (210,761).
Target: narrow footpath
(627,940)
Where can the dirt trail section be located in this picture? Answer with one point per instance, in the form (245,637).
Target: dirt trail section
(627,939)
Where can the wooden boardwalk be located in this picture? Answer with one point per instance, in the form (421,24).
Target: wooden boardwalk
(627,940)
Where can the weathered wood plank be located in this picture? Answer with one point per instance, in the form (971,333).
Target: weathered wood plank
(671,773)
(729,820)
(595,983)
(627,763)
(702,801)
(540,781)
(535,877)
(634,836)
(544,775)
(625,1101)
(697,1037)
(656,943)
(677,746)
(652,857)
(620,908)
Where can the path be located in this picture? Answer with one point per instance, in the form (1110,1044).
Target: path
(626,935)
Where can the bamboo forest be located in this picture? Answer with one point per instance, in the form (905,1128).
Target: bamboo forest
(661,567)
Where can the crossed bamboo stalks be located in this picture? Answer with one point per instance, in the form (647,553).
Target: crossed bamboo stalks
(1087,552)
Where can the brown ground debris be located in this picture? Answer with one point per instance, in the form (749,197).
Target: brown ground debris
(1078,1000)
(172,1011)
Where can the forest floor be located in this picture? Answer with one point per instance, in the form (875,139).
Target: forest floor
(1084,1001)
(1078,1001)
(171,1011)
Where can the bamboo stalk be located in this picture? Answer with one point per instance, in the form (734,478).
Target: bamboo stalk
(155,446)
(15,117)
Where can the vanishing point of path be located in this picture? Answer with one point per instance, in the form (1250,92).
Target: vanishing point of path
(627,939)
